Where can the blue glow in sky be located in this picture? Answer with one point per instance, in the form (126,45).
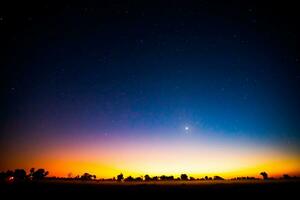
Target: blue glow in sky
(226,73)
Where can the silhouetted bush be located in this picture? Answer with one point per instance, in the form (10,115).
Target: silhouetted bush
(244,178)
(264,175)
(147,177)
(184,177)
(38,174)
(166,178)
(286,176)
(208,178)
(6,176)
(218,178)
(120,177)
(19,174)
(129,179)
(87,177)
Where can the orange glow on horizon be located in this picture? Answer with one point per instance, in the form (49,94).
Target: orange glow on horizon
(107,161)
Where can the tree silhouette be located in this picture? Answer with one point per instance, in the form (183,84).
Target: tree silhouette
(120,177)
(129,179)
(38,174)
(264,175)
(206,178)
(162,177)
(218,178)
(8,175)
(19,174)
(87,177)
(286,176)
(166,178)
(147,177)
(184,177)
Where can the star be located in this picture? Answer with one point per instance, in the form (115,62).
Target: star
(186,128)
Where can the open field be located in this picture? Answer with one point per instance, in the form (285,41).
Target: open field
(232,189)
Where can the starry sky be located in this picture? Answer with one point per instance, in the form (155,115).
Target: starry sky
(200,87)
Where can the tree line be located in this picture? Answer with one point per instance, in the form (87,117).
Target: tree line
(39,174)
(20,174)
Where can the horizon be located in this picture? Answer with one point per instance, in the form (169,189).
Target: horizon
(142,176)
(106,161)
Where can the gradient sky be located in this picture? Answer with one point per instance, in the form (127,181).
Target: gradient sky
(202,88)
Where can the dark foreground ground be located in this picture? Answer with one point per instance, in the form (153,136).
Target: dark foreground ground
(157,190)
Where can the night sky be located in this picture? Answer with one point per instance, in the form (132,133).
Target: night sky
(200,87)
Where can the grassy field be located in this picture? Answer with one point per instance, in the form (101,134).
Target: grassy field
(232,189)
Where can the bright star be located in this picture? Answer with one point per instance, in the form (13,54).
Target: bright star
(186,128)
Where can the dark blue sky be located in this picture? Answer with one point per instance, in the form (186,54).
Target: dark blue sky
(230,68)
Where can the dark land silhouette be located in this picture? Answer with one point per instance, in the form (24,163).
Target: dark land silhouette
(38,182)
(20,175)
